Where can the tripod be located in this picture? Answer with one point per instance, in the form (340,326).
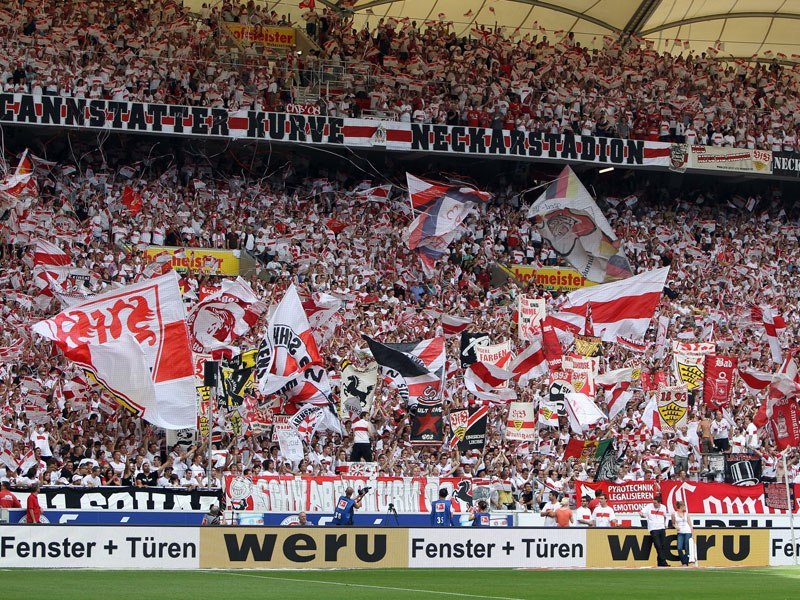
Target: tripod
(391,510)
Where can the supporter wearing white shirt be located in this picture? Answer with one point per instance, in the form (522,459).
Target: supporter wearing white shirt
(583,515)
(549,510)
(92,479)
(720,429)
(657,518)
(603,515)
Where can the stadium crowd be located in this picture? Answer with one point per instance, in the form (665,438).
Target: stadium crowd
(726,251)
(404,70)
(325,235)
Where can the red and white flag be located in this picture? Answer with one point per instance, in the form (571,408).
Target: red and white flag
(223,317)
(783,412)
(617,385)
(135,342)
(582,412)
(453,326)
(530,364)
(374,194)
(651,417)
(619,309)
(48,254)
(772,324)
(289,362)
(486,381)
(307,420)
(755,381)
(322,311)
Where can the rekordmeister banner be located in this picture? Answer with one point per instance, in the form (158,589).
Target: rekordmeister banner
(202,121)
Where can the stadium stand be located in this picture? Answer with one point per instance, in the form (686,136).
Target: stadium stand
(731,248)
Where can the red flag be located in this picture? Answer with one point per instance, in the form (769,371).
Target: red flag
(307,4)
(550,344)
(131,199)
(782,409)
(335,225)
(718,380)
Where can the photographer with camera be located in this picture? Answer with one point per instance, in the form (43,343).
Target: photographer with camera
(346,505)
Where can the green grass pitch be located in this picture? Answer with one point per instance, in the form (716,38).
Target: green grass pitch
(402,584)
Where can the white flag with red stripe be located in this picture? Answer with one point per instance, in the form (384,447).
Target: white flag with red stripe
(453,326)
(755,381)
(47,253)
(582,412)
(485,381)
(772,324)
(530,364)
(618,389)
(147,324)
(619,309)
(651,417)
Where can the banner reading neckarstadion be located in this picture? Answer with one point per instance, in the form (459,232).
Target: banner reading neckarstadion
(203,121)
(715,547)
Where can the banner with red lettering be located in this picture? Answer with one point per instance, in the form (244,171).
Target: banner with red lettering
(718,380)
(719,498)
(627,497)
(319,493)
(135,343)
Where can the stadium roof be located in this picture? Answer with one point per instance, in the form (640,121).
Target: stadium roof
(744,27)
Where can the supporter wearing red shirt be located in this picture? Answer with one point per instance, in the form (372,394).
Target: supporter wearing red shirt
(473,117)
(33,512)
(7,498)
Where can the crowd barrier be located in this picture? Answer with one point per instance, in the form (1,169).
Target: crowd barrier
(69,546)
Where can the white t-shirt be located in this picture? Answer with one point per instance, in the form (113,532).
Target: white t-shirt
(603,516)
(582,513)
(361,432)
(550,521)
(656,517)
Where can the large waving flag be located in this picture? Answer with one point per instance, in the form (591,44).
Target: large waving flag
(224,316)
(134,341)
(619,309)
(440,210)
(570,220)
(289,363)
(416,369)
(582,412)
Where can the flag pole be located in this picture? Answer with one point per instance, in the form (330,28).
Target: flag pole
(789,502)
(210,378)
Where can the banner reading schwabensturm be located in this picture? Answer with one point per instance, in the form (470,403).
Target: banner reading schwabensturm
(123,498)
